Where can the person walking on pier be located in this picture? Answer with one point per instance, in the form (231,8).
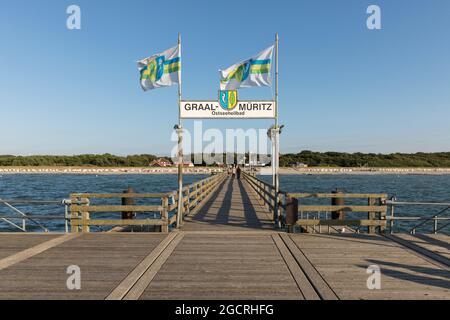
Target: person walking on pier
(233,175)
(238,172)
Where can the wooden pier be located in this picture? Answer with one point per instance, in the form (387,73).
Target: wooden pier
(227,248)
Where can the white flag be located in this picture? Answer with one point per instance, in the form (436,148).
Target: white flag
(254,72)
(160,70)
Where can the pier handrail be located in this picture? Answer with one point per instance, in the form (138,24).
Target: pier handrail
(266,193)
(81,207)
(392,202)
(195,195)
(21,215)
(428,219)
(81,210)
(375,208)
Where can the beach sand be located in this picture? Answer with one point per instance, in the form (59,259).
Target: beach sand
(209,170)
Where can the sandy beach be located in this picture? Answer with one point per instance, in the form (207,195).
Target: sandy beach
(207,170)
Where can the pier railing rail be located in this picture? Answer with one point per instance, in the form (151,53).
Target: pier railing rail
(17,218)
(266,193)
(311,217)
(196,194)
(82,210)
(438,221)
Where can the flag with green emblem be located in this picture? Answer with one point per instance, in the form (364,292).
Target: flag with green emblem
(160,70)
(254,72)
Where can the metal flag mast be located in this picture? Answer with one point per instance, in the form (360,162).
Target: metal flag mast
(275,141)
(179,128)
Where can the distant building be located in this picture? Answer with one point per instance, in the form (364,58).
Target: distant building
(161,162)
(299,165)
(186,164)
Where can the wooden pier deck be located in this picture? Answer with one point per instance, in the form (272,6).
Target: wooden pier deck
(226,250)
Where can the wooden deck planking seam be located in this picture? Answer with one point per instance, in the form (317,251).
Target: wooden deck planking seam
(143,282)
(125,286)
(306,289)
(35,250)
(318,282)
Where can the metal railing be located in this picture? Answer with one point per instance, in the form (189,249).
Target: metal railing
(423,221)
(17,214)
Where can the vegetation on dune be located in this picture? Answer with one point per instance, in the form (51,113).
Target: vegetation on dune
(310,158)
(97,160)
(340,159)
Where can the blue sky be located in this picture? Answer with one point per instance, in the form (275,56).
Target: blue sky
(342,87)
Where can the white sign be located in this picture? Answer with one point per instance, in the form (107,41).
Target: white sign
(213,110)
(227,107)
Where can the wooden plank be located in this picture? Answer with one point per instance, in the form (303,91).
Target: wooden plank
(430,256)
(320,285)
(110,222)
(256,232)
(105,260)
(237,267)
(118,208)
(139,287)
(125,286)
(28,253)
(12,243)
(119,195)
(305,208)
(319,222)
(302,281)
(342,260)
(338,195)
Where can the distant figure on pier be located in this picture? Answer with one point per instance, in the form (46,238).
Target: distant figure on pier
(238,172)
(233,172)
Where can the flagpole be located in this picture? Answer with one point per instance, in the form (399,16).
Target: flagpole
(277,136)
(180,147)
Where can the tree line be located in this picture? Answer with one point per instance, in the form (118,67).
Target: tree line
(341,159)
(96,160)
(309,158)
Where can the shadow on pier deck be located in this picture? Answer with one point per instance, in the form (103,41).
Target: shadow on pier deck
(228,249)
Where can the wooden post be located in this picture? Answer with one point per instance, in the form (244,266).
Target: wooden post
(382,201)
(74,216)
(188,205)
(291,213)
(371,215)
(85,217)
(165,214)
(337,214)
(128,215)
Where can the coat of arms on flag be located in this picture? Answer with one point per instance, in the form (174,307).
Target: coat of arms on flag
(160,70)
(254,72)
